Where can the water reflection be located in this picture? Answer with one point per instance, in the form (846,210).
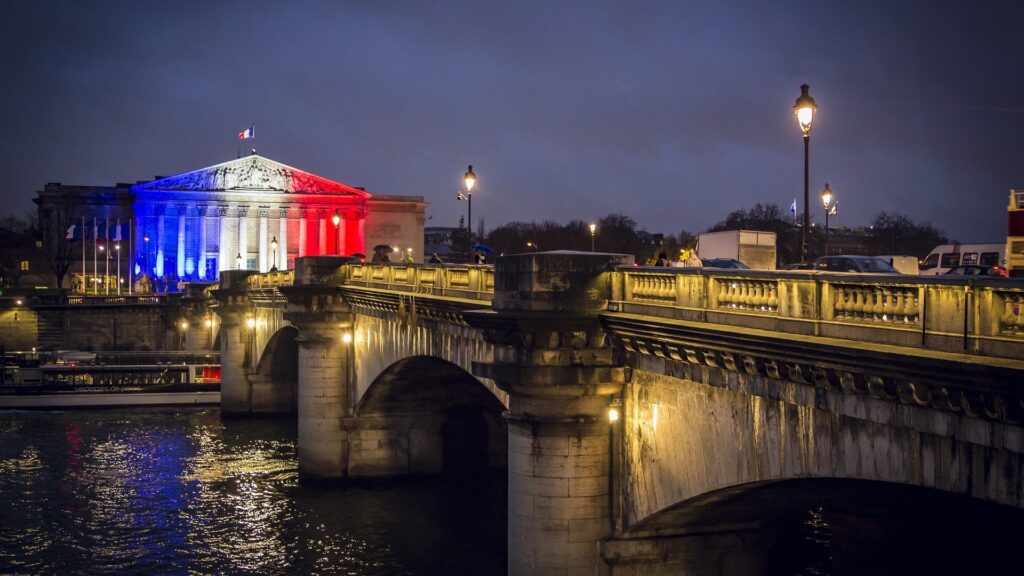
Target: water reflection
(176,491)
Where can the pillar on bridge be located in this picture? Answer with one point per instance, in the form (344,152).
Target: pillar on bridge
(562,376)
(325,382)
(236,341)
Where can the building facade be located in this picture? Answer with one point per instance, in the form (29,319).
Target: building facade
(250,213)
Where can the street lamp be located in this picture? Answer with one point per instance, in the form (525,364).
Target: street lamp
(238,261)
(273,249)
(470,178)
(336,220)
(593,234)
(804,110)
(826,200)
(531,244)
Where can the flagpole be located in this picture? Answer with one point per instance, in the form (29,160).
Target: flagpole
(95,270)
(85,271)
(131,258)
(118,254)
(106,257)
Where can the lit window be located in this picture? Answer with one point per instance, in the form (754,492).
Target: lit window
(24,265)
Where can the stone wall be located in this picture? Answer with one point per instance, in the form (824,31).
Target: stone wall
(691,430)
(146,327)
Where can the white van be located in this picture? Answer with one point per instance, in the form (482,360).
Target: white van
(948,256)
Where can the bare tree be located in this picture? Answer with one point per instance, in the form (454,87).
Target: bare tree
(53,221)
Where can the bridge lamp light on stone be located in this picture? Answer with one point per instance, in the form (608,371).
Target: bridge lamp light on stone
(804,108)
(613,414)
(826,200)
(346,337)
(184,325)
(250,323)
(208,323)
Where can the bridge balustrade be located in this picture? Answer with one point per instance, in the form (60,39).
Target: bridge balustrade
(979,316)
(470,282)
(271,279)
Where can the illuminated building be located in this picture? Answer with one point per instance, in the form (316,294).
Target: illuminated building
(192,226)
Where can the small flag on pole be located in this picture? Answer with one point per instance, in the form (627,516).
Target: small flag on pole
(71,232)
(834,210)
(250,132)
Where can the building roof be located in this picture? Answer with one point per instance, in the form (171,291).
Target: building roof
(253,174)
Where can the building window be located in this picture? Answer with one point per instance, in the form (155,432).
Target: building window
(24,265)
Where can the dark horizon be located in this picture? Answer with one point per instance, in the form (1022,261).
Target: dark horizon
(673,115)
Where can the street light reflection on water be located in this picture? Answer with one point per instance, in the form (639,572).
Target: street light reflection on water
(171,491)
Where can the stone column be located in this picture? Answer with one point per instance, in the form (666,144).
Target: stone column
(180,264)
(201,261)
(223,243)
(561,374)
(264,241)
(303,224)
(325,374)
(321,214)
(243,239)
(282,240)
(357,238)
(236,342)
(340,239)
(160,243)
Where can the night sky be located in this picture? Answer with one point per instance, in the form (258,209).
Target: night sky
(674,113)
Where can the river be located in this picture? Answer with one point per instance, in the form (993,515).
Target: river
(178,491)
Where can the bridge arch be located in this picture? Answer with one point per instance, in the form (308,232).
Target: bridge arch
(274,381)
(425,415)
(821,525)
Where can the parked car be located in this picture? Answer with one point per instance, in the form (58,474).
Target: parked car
(978,270)
(859,264)
(723,263)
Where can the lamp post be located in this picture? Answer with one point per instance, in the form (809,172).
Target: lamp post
(470,179)
(804,110)
(826,200)
(106,270)
(593,234)
(238,261)
(273,250)
(336,220)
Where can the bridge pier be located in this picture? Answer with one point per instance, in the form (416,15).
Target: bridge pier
(562,375)
(325,387)
(233,307)
(198,337)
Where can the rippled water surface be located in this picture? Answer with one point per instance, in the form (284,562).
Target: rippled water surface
(174,491)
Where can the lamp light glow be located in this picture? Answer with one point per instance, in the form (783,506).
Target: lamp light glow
(250,323)
(613,415)
(826,196)
(346,337)
(336,218)
(804,109)
(470,179)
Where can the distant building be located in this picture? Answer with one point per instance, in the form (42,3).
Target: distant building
(250,213)
(439,240)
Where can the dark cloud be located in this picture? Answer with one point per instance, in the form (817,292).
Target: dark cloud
(673,113)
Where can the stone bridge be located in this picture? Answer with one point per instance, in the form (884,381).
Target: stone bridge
(652,421)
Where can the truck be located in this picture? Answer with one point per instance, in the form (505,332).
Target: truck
(945,257)
(754,248)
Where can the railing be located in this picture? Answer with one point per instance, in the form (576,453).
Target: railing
(271,279)
(470,282)
(978,316)
(111,300)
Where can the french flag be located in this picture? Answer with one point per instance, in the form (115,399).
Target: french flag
(247,133)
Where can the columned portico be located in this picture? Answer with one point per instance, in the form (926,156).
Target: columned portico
(254,199)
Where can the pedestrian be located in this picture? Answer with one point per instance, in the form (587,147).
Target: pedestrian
(663,260)
(435,259)
(479,257)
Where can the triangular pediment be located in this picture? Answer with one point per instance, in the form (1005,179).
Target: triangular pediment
(251,174)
